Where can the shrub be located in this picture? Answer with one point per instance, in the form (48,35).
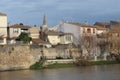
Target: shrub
(82,63)
(37,65)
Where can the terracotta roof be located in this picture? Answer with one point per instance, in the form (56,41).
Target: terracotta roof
(99,27)
(53,33)
(79,24)
(39,41)
(20,26)
(2,14)
(116,22)
(102,23)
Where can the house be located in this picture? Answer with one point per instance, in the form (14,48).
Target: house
(34,32)
(103,24)
(53,37)
(56,38)
(77,29)
(100,29)
(16,29)
(3,40)
(66,38)
(84,37)
(3,24)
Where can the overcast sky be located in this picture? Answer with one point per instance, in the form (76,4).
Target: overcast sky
(31,12)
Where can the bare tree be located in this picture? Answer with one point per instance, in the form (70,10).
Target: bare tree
(114,46)
(88,45)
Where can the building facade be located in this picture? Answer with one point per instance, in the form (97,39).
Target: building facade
(76,29)
(17,29)
(3,24)
(56,38)
(34,32)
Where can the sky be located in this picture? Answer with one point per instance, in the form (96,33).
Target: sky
(31,12)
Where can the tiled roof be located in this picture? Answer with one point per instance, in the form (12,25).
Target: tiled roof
(39,41)
(2,14)
(99,27)
(102,23)
(79,24)
(53,33)
(116,22)
(20,26)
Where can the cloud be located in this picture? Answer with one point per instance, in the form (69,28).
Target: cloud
(32,11)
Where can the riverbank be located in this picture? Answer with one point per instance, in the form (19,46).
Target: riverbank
(39,65)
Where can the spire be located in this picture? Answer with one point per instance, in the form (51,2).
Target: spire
(44,20)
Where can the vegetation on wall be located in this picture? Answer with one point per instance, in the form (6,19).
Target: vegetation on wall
(24,37)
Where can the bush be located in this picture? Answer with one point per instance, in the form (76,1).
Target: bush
(24,37)
(37,65)
(82,63)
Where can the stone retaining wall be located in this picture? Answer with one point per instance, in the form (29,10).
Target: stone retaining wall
(14,57)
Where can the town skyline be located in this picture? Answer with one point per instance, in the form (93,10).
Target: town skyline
(32,12)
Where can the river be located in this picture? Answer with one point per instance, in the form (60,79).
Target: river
(106,72)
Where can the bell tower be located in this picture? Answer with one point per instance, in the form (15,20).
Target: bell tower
(44,25)
(44,20)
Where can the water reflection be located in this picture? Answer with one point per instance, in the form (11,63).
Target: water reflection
(106,72)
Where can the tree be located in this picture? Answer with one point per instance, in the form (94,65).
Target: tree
(24,37)
(114,46)
(43,35)
(88,45)
(102,42)
(114,40)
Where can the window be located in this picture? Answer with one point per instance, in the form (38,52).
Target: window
(93,30)
(68,37)
(15,30)
(83,30)
(88,30)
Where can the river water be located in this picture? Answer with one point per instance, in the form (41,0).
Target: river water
(106,72)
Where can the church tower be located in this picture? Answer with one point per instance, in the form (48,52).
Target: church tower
(44,20)
(44,25)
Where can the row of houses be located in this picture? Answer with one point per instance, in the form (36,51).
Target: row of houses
(71,34)
(9,33)
(71,31)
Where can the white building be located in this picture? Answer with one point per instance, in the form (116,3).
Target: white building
(56,38)
(101,29)
(15,30)
(3,24)
(76,29)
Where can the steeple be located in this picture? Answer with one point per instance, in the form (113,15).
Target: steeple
(44,26)
(44,20)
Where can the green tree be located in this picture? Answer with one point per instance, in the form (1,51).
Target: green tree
(24,37)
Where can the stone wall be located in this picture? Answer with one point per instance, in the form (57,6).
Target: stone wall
(14,57)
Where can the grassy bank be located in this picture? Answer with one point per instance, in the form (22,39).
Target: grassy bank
(61,65)
(39,65)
